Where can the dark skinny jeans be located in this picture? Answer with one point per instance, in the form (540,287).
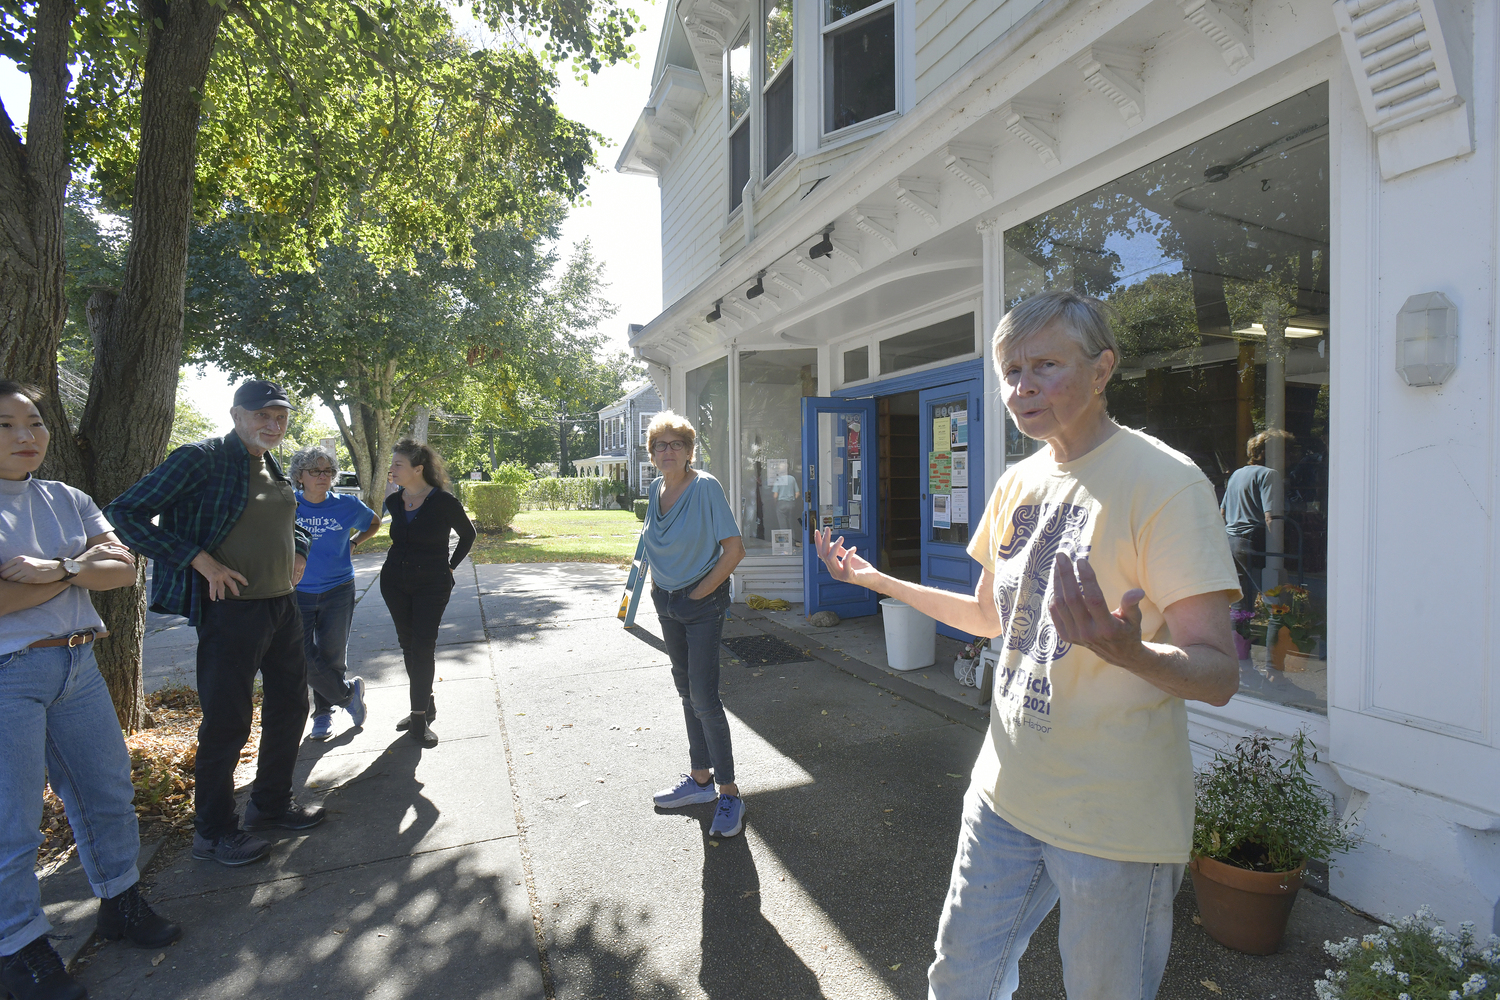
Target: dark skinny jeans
(691,631)
(325,629)
(417,595)
(235,640)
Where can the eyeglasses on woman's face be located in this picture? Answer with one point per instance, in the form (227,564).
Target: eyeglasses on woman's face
(661,446)
(320,473)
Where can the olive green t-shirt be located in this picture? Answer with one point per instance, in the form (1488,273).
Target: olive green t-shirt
(262,544)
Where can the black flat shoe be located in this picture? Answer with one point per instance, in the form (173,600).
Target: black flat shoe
(405,724)
(421,731)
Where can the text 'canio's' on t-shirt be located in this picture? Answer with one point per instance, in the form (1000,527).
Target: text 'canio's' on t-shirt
(47,520)
(328,525)
(1082,754)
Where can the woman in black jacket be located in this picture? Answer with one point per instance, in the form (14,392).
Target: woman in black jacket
(417,578)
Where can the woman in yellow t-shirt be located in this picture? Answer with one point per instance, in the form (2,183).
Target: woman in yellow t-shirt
(1083,788)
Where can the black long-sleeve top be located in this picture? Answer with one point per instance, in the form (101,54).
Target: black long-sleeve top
(424,540)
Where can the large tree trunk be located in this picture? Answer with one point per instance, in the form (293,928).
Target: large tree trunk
(33,188)
(138,333)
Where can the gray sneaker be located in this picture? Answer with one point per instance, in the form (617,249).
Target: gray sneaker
(232,849)
(356,707)
(294,817)
(686,792)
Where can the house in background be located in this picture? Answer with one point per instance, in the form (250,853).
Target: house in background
(622,440)
(1295,210)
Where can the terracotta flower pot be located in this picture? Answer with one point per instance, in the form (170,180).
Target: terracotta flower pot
(1284,644)
(1245,910)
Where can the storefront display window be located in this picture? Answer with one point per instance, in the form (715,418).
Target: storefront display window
(1215,260)
(708,409)
(772,384)
(952,338)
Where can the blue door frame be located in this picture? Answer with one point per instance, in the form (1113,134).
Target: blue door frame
(838,439)
(947,564)
(944,565)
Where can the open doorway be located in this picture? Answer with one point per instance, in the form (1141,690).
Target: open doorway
(898,486)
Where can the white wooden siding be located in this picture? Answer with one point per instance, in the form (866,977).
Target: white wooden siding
(951,32)
(691,207)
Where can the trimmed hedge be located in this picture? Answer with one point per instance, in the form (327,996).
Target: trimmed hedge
(639,506)
(570,493)
(494,505)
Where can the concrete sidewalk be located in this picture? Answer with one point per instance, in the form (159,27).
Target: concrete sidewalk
(522,857)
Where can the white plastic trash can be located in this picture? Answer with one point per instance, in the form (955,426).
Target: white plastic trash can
(910,636)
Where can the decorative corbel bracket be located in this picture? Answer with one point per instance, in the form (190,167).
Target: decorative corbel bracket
(1227,26)
(848,250)
(786,282)
(919,197)
(1116,73)
(1035,125)
(882,227)
(969,164)
(816,270)
(1407,81)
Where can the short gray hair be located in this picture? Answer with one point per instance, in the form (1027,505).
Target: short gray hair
(304,459)
(1085,318)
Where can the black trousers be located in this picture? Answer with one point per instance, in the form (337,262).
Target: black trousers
(237,639)
(417,595)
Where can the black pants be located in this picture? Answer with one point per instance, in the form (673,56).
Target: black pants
(1249,564)
(417,596)
(237,639)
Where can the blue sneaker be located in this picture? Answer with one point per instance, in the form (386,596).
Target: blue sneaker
(322,726)
(356,707)
(729,818)
(686,793)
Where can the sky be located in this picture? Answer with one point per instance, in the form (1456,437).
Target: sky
(621,218)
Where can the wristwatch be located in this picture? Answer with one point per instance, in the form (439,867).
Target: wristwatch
(70,568)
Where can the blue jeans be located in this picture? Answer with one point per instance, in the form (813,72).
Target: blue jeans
(57,723)
(325,637)
(1116,917)
(691,630)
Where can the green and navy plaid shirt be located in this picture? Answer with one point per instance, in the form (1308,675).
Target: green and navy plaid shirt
(198,492)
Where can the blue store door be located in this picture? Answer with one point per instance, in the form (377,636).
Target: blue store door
(838,443)
(952,443)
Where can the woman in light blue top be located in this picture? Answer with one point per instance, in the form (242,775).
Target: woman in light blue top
(692,545)
(325,594)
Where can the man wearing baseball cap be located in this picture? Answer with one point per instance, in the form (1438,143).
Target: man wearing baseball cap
(227,555)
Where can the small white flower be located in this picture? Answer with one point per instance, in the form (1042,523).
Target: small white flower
(1404,977)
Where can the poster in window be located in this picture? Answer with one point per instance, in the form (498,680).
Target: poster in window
(940,512)
(854,481)
(941,435)
(854,439)
(959,508)
(939,471)
(960,428)
(775,469)
(781,542)
(960,469)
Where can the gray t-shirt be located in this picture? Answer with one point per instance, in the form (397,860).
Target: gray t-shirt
(47,520)
(1247,498)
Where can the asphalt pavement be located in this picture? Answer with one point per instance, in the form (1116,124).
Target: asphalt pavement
(523,858)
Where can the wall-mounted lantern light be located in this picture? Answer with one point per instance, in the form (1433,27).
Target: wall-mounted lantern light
(1427,339)
(759,288)
(823,247)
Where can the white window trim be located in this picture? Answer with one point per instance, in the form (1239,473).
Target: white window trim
(747,120)
(881,122)
(947,308)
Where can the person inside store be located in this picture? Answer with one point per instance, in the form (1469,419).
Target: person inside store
(1246,509)
(325,594)
(57,721)
(219,522)
(1093,551)
(417,578)
(692,546)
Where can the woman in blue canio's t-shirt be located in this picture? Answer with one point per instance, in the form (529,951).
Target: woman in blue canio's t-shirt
(325,594)
(692,545)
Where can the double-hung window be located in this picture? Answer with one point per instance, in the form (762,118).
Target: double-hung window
(859,61)
(776,94)
(737,81)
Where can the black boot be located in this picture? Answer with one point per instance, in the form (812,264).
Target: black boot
(36,973)
(421,731)
(406,723)
(129,916)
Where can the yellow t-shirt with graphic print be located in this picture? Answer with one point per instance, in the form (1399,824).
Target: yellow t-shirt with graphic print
(1082,754)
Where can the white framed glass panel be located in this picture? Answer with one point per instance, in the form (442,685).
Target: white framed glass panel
(1215,260)
(708,410)
(859,63)
(777,108)
(952,338)
(857,364)
(772,384)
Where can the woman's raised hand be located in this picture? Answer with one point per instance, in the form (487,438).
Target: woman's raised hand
(845,564)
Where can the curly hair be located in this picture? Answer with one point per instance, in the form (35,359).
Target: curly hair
(304,459)
(418,453)
(667,422)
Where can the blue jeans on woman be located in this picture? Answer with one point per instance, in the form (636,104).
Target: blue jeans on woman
(58,724)
(325,637)
(692,630)
(1116,917)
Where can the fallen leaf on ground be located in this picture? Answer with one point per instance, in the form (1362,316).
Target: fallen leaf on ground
(1211,986)
(896,966)
(953,775)
(1197,920)
(159,959)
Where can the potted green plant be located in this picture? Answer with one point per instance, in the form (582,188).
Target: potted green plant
(1260,817)
(1293,624)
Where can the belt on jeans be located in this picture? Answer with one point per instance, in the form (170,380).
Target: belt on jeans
(76,639)
(686,590)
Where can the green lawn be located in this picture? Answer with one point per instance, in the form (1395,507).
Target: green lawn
(597,536)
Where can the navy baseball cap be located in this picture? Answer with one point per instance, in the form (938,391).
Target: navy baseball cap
(257,395)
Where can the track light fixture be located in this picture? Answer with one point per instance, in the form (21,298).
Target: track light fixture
(759,288)
(716,315)
(823,247)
